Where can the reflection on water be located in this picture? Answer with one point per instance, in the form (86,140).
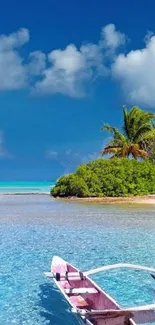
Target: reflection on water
(34,228)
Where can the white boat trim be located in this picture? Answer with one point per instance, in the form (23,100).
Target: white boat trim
(101,313)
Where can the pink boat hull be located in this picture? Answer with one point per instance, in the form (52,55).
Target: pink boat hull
(97,300)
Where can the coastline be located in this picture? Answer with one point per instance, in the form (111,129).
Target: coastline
(145,199)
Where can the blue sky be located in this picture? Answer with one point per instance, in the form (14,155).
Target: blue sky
(66,67)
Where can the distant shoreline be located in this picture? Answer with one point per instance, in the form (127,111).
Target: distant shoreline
(145,199)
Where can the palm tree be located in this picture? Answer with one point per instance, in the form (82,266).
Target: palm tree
(138,128)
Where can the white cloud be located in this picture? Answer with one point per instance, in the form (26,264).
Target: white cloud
(37,63)
(71,69)
(94,58)
(136,72)
(111,38)
(12,70)
(67,71)
(148,36)
(15,73)
(14,40)
(12,73)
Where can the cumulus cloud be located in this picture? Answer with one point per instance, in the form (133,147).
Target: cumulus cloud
(37,63)
(66,71)
(66,74)
(111,38)
(136,71)
(15,73)
(71,69)
(148,36)
(14,40)
(12,70)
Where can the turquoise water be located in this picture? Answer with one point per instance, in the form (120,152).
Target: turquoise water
(25,187)
(34,228)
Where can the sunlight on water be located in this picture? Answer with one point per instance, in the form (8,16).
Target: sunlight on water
(33,229)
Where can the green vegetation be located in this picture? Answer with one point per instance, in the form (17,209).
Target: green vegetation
(149,146)
(112,177)
(138,131)
(119,176)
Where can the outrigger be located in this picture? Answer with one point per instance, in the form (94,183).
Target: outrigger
(93,305)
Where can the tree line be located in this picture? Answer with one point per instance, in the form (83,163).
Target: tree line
(119,175)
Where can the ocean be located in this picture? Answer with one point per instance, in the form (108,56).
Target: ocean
(34,228)
(26,187)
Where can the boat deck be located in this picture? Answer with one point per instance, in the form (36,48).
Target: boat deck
(90,302)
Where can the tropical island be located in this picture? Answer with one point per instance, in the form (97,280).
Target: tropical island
(127,175)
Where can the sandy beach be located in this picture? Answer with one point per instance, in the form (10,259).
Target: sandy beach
(146,199)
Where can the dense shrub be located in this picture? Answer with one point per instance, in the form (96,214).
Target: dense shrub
(70,185)
(113,177)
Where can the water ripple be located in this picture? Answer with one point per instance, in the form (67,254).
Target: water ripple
(33,229)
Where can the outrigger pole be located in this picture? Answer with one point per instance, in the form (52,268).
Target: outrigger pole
(117,266)
(76,275)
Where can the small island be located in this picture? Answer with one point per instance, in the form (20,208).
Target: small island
(129,174)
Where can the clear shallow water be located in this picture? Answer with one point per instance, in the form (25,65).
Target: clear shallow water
(34,228)
(25,187)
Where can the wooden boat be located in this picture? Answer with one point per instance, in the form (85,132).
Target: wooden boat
(93,305)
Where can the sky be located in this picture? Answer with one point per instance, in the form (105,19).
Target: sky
(66,68)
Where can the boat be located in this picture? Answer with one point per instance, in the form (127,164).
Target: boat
(89,302)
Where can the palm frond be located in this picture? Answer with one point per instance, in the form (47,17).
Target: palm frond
(136,119)
(146,117)
(142,153)
(115,131)
(109,128)
(109,150)
(118,154)
(139,129)
(148,135)
(129,122)
(141,132)
(136,151)
(126,121)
